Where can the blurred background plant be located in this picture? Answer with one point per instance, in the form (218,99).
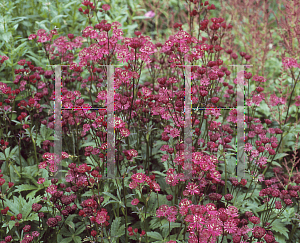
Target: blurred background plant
(268,30)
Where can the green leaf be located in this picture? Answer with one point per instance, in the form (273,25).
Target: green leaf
(280,155)
(155,223)
(69,4)
(69,222)
(77,239)
(66,240)
(279,227)
(80,229)
(160,173)
(2,156)
(32,194)
(111,195)
(88,144)
(172,225)
(165,228)
(121,230)
(65,232)
(20,205)
(115,226)
(58,16)
(24,187)
(27,175)
(33,217)
(155,235)
(6,36)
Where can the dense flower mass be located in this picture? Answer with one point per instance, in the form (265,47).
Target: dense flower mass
(134,147)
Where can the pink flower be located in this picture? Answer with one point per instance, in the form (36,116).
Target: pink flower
(101,217)
(232,211)
(165,157)
(149,14)
(192,188)
(230,226)
(297,98)
(174,133)
(86,127)
(248,147)
(171,179)
(135,201)
(31,37)
(124,132)
(171,213)
(119,123)
(259,78)
(22,62)
(2,181)
(52,189)
(133,185)
(41,180)
(105,7)
(138,177)
(162,211)
(64,155)
(257,99)
(156,186)
(43,165)
(289,62)
(184,206)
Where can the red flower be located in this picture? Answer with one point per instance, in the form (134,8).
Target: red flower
(105,7)
(2,181)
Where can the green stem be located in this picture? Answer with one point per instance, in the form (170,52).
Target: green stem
(169,230)
(287,113)
(125,201)
(34,147)
(293,232)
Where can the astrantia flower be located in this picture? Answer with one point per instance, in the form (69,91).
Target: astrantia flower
(31,37)
(90,203)
(101,217)
(22,62)
(232,211)
(230,226)
(135,201)
(105,7)
(41,180)
(162,211)
(248,147)
(138,177)
(171,213)
(2,181)
(52,222)
(133,185)
(289,62)
(174,133)
(171,179)
(192,188)
(164,157)
(149,14)
(214,228)
(43,165)
(258,232)
(254,220)
(52,189)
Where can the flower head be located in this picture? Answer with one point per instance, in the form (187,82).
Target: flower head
(105,7)
(149,14)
